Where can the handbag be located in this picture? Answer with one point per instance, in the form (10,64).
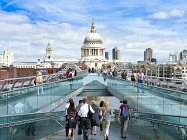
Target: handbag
(89,112)
(102,117)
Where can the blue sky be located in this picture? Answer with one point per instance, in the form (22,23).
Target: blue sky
(130,25)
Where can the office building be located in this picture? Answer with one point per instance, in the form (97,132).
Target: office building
(183,56)
(148,54)
(116,54)
(106,56)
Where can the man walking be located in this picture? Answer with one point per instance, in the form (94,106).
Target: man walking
(79,124)
(124,75)
(115,73)
(85,118)
(123,117)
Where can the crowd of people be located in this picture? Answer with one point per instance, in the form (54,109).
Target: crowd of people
(90,116)
(139,76)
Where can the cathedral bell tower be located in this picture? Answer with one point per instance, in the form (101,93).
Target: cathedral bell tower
(48,55)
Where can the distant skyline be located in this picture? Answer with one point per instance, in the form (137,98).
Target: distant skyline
(132,26)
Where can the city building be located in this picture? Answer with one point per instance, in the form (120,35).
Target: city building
(48,55)
(6,57)
(106,55)
(183,56)
(148,54)
(174,57)
(93,51)
(168,70)
(153,61)
(170,60)
(116,54)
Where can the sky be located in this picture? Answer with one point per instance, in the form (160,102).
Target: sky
(26,26)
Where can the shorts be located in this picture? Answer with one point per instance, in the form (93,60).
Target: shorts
(72,123)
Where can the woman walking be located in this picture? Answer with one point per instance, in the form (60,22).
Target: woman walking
(95,117)
(100,114)
(72,117)
(106,113)
(39,81)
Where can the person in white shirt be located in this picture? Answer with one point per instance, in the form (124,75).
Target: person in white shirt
(85,118)
(140,79)
(79,124)
(140,76)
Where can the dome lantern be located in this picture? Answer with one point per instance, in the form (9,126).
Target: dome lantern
(93,27)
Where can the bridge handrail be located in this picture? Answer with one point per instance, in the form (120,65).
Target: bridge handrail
(44,116)
(29,81)
(159,114)
(169,82)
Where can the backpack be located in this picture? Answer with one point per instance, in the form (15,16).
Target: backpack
(125,112)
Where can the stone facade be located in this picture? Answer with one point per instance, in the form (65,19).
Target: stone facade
(93,51)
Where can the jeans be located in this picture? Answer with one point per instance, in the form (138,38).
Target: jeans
(86,126)
(140,86)
(40,88)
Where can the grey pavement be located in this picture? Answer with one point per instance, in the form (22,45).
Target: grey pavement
(114,134)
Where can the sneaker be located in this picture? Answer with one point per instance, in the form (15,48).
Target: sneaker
(123,137)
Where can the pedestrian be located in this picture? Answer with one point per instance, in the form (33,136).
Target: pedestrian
(71,75)
(74,72)
(106,114)
(72,118)
(140,76)
(39,82)
(93,70)
(89,70)
(124,75)
(140,79)
(110,72)
(104,72)
(95,118)
(100,114)
(115,73)
(123,117)
(79,124)
(133,76)
(67,73)
(85,118)
(79,105)
(67,124)
(98,71)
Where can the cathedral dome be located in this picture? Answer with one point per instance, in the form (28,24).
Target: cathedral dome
(92,37)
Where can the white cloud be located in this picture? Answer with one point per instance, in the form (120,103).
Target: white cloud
(66,25)
(167,15)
